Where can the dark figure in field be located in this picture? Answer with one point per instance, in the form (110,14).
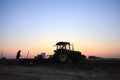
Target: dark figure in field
(18,55)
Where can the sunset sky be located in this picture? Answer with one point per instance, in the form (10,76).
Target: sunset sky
(93,26)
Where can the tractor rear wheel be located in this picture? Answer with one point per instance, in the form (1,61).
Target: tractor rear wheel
(61,56)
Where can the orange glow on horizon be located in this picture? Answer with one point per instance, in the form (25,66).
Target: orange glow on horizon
(37,48)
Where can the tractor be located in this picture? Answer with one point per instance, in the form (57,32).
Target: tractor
(64,53)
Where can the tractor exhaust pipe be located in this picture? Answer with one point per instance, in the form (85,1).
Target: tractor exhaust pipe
(73,47)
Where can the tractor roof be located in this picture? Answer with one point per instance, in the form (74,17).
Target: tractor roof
(63,43)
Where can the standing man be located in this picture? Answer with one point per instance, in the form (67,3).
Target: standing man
(18,55)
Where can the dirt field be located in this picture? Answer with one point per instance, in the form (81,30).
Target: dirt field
(10,72)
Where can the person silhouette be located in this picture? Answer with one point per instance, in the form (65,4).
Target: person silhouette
(18,55)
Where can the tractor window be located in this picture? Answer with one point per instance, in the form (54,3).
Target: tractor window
(68,47)
(61,47)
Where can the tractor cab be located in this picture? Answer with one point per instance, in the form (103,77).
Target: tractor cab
(63,45)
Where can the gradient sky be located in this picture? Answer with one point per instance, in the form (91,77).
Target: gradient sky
(93,26)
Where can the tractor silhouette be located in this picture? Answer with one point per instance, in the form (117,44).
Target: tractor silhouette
(64,53)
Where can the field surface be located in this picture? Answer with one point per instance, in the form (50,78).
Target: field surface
(42,72)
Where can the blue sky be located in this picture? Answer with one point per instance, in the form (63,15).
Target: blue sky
(92,25)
